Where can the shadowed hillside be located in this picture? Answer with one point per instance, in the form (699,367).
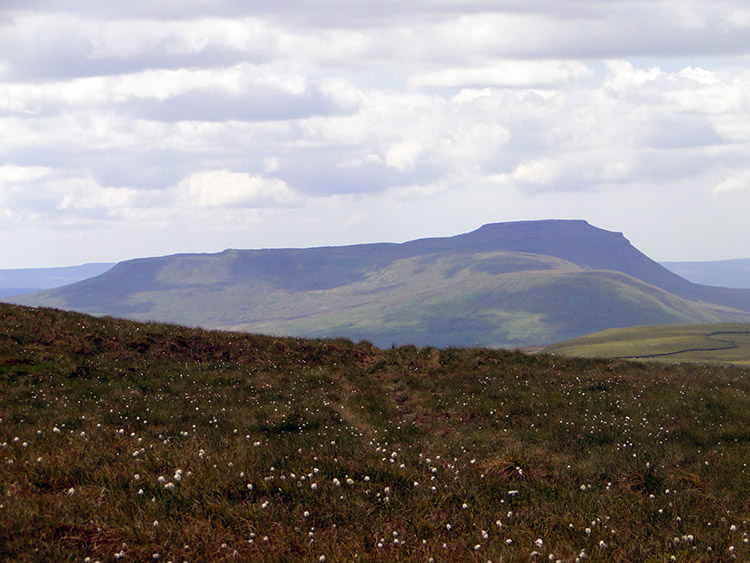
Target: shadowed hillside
(507,284)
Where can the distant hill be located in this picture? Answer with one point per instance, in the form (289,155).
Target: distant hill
(27,280)
(505,284)
(721,273)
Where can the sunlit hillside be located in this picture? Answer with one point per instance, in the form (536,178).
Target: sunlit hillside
(709,343)
(514,284)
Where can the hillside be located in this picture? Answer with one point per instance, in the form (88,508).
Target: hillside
(507,284)
(716,343)
(144,442)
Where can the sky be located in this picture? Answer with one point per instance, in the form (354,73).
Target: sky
(144,128)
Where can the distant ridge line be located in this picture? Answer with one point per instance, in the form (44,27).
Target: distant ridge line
(523,283)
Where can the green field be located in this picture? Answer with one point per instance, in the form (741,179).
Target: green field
(149,442)
(719,343)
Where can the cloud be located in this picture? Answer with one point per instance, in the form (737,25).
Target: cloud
(403,155)
(258,103)
(224,189)
(507,73)
(624,78)
(64,46)
(12,175)
(54,40)
(243,116)
(739,182)
(588,170)
(241,92)
(64,197)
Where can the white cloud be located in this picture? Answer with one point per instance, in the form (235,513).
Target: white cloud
(403,155)
(220,188)
(11,175)
(134,38)
(739,182)
(541,172)
(587,170)
(719,98)
(624,77)
(271,164)
(244,117)
(469,95)
(738,18)
(507,73)
(67,45)
(244,91)
(699,75)
(64,197)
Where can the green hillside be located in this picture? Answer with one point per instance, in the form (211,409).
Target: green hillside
(720,343)
(503,285)
(500,299)
(507,310)
(149,442)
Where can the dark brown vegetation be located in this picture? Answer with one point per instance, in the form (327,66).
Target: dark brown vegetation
(138,442)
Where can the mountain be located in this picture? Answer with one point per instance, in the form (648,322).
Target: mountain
(505,284)
(722,273)
(27,280)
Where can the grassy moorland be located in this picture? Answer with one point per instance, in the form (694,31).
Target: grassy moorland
(143,442)
(715,343)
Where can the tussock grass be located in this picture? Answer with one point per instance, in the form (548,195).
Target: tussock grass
(127,441)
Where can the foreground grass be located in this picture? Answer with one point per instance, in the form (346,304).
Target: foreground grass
(135,442)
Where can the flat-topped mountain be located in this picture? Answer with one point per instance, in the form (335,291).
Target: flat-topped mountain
(505,284)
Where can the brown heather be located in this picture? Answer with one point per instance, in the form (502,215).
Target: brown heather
(150,442)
